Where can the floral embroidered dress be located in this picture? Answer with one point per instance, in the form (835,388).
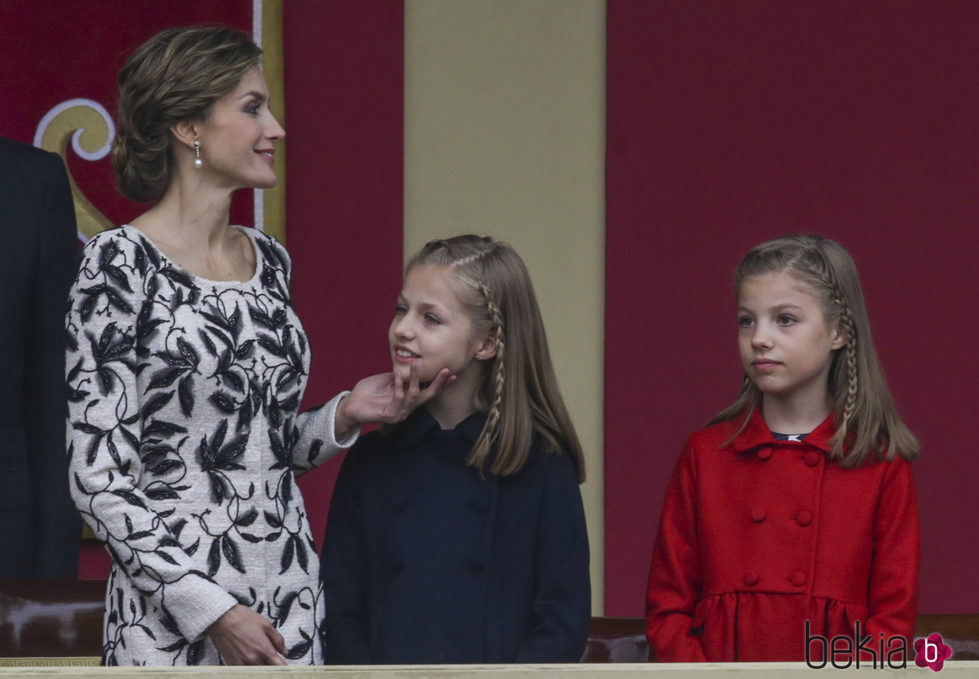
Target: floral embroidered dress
(184,441)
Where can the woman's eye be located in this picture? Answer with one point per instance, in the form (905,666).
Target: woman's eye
(400,310)
(745,321)
(252,109)
(432,318)
(786,320)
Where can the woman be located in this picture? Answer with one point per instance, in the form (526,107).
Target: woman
(186,365)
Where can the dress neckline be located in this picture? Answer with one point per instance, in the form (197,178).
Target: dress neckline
(200,280)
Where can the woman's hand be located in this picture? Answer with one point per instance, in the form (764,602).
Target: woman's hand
(244,637)
(385,398)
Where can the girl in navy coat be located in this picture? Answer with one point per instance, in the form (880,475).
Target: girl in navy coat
(459,536)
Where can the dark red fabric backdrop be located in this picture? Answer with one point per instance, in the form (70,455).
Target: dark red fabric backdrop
(734,122)
(56,50)
(344,127)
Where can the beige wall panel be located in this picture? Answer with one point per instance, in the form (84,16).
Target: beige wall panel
(504,136)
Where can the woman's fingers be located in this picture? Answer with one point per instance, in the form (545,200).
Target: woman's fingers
(391,397)
(397,399)
(442,379)
(279,643)
(244,637)
(413,387)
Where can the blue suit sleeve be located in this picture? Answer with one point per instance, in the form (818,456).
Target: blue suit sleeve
(58,528)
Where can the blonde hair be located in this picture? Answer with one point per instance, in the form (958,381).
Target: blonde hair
(175,76)
(519,389)
(866,419)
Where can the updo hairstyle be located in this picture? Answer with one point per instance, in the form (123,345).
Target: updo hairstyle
(174,76)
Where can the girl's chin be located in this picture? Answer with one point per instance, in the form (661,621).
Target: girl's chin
(405,375)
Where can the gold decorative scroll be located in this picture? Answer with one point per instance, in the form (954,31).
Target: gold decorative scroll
(92,134)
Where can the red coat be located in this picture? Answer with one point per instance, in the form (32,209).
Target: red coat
(759,535)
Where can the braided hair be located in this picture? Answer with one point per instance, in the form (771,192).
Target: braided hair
(866,419)
(519,392)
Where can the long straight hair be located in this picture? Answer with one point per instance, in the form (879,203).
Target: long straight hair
(866,419)
(519,390)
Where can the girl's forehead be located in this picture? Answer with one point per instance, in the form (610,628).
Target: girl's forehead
(427,274)
(431,282)
(775,285)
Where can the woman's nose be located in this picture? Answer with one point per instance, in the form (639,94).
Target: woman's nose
(275,131)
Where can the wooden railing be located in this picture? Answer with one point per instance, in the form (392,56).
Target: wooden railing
(63,619)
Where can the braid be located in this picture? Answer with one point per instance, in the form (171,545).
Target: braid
(828,282)
(849,327)
(493,309)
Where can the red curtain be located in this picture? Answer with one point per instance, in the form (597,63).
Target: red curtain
(734,122)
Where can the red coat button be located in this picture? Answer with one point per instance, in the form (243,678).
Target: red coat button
(764,453)
(812,458)
(798,579)
(751,578)
(804,517)
(758,514)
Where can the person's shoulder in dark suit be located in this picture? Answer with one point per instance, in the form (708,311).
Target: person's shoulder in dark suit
(39,526)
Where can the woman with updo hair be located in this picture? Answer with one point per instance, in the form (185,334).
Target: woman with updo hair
(186,365)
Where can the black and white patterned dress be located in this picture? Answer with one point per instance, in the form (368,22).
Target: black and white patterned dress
(184,441)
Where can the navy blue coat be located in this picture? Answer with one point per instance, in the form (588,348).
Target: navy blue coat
(424,561)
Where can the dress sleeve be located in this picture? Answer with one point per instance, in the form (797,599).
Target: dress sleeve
(58,530)
(675,575)
(315,438)
(893,598)
(345,568)
(561,611)
(104,432)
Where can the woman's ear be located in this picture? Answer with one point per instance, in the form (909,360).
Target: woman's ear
(185,132)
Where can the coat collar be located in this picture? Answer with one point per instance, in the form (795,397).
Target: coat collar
(421,424)
(757,434)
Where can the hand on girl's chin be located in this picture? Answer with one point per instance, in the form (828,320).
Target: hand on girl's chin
(404,374)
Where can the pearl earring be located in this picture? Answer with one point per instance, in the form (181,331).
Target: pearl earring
(198,163)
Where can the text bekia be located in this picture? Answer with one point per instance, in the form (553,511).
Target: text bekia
(842,651)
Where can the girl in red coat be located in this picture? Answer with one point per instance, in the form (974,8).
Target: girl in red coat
(792,518)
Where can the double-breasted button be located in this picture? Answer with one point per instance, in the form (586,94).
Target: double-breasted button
(758,514)
(764,453)
(798,578)
(804,517)
(396,565)
(481,505)
(398,504)
(750,578)
(812,458)
(475,565)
